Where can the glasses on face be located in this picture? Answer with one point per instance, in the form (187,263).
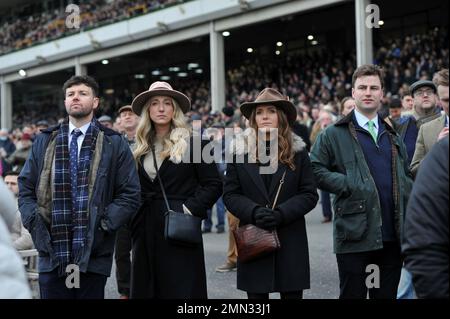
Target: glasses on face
(423,92)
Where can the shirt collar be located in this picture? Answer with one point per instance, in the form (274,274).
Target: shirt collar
(362,119)
(83,129)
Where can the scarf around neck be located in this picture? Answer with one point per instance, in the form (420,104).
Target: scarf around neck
(69,224)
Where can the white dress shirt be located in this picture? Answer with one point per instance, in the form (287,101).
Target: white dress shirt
(363,121)
(80,139)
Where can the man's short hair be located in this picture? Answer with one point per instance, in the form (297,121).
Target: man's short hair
(405,93)
(441,78)
(367,70)
(395,104)
(82,79)
(11,173)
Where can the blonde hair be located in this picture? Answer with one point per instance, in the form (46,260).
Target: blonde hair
(285,142)
(146,133)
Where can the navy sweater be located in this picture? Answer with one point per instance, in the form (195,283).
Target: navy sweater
(379,161)
(410,136)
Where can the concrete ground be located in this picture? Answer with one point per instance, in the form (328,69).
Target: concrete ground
(324,274)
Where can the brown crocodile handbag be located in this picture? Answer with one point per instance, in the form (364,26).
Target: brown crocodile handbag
(252,241)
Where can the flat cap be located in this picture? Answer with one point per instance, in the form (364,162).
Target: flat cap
(421,83)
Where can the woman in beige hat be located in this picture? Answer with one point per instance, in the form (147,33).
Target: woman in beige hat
(249,194)
(160,268)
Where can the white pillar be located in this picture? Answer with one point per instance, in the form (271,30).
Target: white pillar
(364,45)
(217,69)
(5,104)
(80,69)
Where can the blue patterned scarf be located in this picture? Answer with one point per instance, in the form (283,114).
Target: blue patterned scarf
(69,224)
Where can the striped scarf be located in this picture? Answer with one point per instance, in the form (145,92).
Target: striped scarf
(69,224)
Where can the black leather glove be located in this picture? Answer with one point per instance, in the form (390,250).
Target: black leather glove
(273,221)
(266,218)
(259,214)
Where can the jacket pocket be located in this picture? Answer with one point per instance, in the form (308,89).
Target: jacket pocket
(40,235)
(351,220)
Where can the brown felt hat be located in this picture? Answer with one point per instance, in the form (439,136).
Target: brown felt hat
(270,96)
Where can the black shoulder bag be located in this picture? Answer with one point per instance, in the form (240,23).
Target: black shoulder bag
(179,228)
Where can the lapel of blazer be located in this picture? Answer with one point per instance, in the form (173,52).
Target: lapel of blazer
(253,170)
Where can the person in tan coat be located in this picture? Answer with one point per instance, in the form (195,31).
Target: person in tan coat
(435,130)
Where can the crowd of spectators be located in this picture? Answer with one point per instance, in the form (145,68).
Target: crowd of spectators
(21,31)
(312,81)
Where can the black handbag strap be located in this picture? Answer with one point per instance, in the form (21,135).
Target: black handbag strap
(159,178)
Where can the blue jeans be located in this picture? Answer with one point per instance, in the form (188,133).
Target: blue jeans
(405,286)
(220,208)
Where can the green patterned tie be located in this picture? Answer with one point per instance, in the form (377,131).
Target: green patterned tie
(372,131)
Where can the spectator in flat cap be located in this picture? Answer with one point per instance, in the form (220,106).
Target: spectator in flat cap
(425,107)
(129,123)
(41,125)
(434,130)
(425,110)
(106,121)
(395,110)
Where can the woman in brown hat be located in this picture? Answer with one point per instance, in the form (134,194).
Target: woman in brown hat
(160,268)
(250,192)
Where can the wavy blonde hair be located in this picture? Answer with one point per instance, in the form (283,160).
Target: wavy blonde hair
(285,142)
(146,132)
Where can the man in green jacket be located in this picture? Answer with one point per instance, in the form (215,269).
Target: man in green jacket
(363,161)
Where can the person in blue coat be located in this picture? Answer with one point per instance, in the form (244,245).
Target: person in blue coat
(78,186)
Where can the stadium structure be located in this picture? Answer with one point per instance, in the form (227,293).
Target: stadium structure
(191,44)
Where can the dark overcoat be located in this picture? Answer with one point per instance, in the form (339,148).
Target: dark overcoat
(162,269)
(287,269)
